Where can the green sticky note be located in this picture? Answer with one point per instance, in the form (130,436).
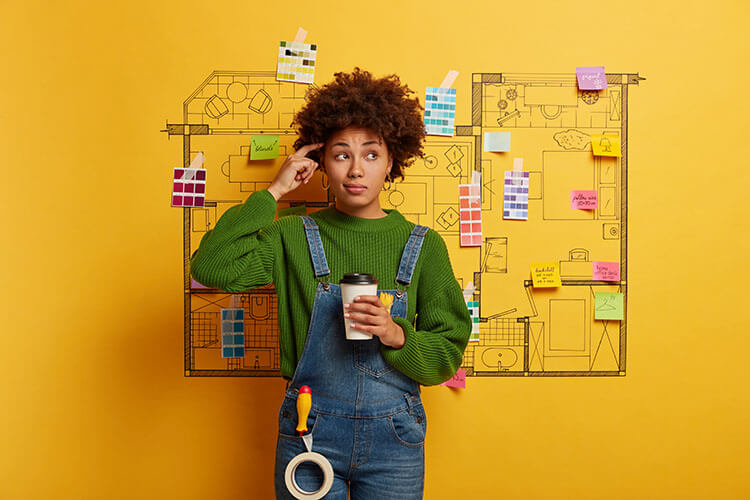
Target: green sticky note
(264,147)
(609,305)
(298,210)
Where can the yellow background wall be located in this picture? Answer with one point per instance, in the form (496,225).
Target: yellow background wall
(94,403)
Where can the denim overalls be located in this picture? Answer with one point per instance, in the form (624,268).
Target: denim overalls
(367,417)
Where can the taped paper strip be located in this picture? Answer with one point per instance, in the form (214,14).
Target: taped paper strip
(450,77)
(470,214)
(476,177)
(301,35)
(518,164)
(198,160)
(316,458)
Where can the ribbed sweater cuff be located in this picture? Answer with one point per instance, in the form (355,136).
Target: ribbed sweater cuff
(409,355)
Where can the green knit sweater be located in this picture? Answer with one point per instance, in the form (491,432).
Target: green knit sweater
(247,249)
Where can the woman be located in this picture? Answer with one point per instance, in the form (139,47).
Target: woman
(367,417)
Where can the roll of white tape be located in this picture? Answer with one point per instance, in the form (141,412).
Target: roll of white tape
(291,482)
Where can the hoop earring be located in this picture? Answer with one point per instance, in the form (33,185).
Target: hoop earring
(327,183)
(388,178)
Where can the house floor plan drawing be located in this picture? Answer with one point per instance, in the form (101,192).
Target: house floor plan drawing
(523,331)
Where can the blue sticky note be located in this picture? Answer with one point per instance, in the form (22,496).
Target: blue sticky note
(497,142)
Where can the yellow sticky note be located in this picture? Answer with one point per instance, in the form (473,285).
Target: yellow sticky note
(606,145)
(545,274)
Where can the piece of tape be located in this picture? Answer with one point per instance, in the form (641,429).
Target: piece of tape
(198,160)
(518,164)
(469,290)
(301,35)
(450,77)
(476,177)
(317,459)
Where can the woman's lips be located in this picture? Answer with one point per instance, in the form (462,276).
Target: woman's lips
(355,188)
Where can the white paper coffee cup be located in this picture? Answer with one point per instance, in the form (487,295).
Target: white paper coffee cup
(352,285)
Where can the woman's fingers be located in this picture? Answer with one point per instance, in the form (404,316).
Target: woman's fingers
(302,152)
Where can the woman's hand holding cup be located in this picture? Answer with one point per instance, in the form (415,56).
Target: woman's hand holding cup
(368,314)
(296,170)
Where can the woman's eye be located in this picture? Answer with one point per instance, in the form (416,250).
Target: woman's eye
(341,156)
(372,156)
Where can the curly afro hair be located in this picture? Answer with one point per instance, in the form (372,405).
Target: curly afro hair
(382,105)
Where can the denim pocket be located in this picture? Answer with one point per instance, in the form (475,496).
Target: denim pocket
(288,419)
(409,426)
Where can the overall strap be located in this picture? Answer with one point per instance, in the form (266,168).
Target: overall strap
(312,232)
(410,255)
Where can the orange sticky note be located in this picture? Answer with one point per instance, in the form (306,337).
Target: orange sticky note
(458,380)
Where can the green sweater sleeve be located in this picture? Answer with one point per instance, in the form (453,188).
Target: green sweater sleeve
(434,348)
(238,253)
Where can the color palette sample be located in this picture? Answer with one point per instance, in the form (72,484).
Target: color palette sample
(189,187)
(609,305)
(439,111)
(296,62)
(470,212)
(516,195)
(473,306)
(233,333)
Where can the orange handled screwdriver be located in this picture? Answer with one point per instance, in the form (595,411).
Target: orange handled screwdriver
(304,402)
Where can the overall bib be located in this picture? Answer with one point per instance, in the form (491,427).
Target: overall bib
(367,417)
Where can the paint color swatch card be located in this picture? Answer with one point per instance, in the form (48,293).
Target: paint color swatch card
(606,145)
(470,212)
(457,381)
(264,147)
(497,142)
(591,78)
(296,62)
(473,306)
(606,271)
(439,111)
(516,195)
(546,275)
(583,200)
(189,187)
(233,333)
(609,305)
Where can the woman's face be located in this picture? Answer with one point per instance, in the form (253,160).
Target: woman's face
(357,162)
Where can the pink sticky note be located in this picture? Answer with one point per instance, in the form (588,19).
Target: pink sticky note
(458,380)
(606,271)
(591,78)
(584,200)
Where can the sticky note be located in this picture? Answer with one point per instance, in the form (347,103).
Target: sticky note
(233,333)
(606,271)
(591,78)
(606,145)
(458,380)
(189,187)
(470,214)
(546,274)
(296,62)
(516,195)
(264,147)
(583,200)
(439,111)
(609,305)
(497,142)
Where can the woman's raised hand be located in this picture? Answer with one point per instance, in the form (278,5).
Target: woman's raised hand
(296,170)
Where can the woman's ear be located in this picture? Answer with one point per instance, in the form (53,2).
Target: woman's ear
(390,165)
